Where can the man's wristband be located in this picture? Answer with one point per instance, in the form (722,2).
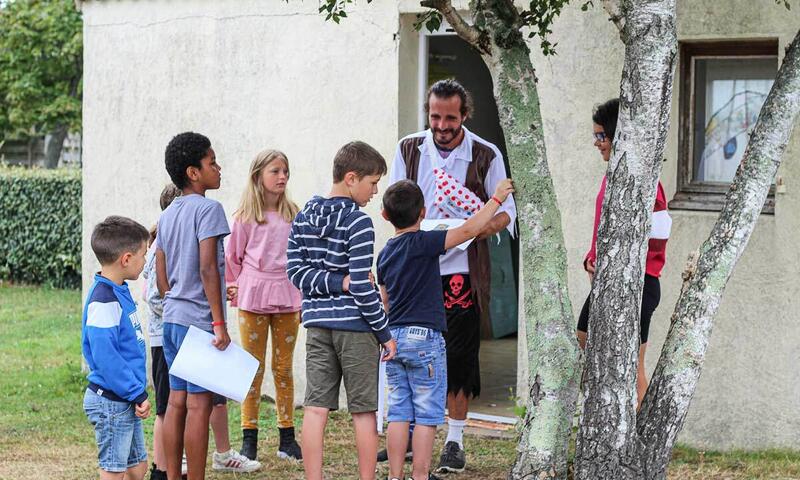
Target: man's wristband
(217,324)
(497,200)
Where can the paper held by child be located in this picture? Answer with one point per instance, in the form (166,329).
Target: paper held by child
(444,224)
(228,372)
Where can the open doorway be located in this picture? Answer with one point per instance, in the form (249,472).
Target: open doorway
(443,55)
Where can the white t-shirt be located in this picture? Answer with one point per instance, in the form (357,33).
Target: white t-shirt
(456,164)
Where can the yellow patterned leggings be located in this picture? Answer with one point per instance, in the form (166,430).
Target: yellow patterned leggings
(253,330)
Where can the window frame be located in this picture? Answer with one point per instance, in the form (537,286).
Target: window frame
(708,196)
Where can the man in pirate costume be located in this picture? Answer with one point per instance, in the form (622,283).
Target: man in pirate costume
(455,169)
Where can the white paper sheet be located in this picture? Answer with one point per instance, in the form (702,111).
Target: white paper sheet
(381,395)
(228,372)
(445,224)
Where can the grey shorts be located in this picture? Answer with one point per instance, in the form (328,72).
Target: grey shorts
(333,355)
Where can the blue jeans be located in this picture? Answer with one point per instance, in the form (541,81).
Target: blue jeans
(172,340)
(417,377)
(117,430)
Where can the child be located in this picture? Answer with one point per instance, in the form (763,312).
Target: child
(330,258)
(255,271)
(114,349)
(189,274)
(225,458)
(411,289)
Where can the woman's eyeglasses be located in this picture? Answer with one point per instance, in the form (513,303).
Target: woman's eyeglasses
(600,136)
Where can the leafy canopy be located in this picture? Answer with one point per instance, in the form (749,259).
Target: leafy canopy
(41,65)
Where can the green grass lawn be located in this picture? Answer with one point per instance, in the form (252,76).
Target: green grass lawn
(44,433)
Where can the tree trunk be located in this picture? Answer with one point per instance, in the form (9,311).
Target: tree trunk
(675,378)
(550,336)
(607,446)
(52,151)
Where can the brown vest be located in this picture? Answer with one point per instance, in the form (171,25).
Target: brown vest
(478,251)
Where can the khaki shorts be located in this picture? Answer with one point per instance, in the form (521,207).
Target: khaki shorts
(334,354)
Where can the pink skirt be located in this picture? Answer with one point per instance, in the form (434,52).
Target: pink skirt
(266,292)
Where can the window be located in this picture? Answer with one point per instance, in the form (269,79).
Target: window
(723,86)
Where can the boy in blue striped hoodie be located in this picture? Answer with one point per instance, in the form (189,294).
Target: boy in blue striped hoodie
(113,345)
(329,259)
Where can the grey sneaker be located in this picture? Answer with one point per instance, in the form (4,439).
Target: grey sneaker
(453,459)
(383,455)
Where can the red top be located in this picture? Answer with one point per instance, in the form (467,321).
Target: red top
(659,234)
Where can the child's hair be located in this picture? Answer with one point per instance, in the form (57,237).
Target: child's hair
(606,115)
(116,236)
(360,158)
(251,207)
(403,202)
(169,194)
(183,151)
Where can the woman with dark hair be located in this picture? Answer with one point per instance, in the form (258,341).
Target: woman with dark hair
(605,126)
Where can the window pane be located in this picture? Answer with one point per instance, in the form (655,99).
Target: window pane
(729,93)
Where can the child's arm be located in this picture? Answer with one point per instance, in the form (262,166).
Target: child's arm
(385,298)
(161,273)
(472,227)
(234,255)
(102,332)
(360,243)
(308,279)
(209,275)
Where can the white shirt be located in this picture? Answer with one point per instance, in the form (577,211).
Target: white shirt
(455,260)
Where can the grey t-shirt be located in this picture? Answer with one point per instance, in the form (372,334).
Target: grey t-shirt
(182,226)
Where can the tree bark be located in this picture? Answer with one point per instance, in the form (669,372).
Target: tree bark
(52,151)
(607,446)
(675,379)
(552,347)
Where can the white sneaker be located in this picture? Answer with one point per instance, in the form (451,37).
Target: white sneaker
(184,466)
(233,461)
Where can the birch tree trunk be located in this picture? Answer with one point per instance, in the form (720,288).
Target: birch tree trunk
(607,445)
(675,379)
(550,336)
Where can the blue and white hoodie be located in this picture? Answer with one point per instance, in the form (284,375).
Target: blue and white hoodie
(330,239)
(113,342)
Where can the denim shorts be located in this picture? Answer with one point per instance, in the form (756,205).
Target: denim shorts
(417,377)
(117,430)
(173,338)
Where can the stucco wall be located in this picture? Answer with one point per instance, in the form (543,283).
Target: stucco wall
(249,75)
(252,74)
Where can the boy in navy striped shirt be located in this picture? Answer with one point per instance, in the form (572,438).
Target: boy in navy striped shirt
(329,259)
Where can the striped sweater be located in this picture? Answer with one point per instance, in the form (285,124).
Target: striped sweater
(330,239)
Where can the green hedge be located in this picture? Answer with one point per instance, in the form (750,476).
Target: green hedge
(40,226)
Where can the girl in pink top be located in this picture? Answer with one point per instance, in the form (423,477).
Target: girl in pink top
(605,125)
(255,272)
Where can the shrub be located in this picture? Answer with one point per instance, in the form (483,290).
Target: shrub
(40,226)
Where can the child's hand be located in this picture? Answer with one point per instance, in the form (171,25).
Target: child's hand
(143,409)
(346,283)
(504,189)
(590,267)
(231,292)
(221,338)
(371,278)
(389,350)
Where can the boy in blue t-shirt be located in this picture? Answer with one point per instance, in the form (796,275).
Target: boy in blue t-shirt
(411,289)
(113,345)
(190,269)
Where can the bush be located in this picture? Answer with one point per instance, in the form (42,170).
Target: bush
(40,226)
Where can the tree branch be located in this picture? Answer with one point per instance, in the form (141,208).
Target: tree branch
(467,32)
(614,11)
